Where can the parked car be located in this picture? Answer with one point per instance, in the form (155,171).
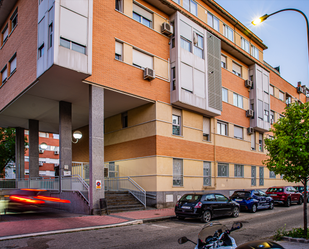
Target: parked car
(300,189)
(252,200)
(205,206)
(285,195)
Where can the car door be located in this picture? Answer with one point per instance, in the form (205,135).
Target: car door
(256,196)
(264,199)
(209,202)
(224,205)
(294,194)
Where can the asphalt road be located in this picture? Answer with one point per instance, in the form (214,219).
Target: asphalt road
(164,234)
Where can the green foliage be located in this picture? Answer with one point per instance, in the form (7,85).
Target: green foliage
(280,233)
(298,233)
(288,151)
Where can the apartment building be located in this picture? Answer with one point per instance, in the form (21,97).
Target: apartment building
(175,93)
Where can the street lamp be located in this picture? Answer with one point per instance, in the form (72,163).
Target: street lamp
(77,135)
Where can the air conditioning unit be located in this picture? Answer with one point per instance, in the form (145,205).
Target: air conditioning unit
(56,165)
(41,151)
(56,152)
(40,163)
(250,130)
(249,113)
(166,29)
(149,74)
(248,84)
(300,89)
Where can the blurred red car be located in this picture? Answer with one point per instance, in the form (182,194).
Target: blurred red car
(285,195)
(300,188)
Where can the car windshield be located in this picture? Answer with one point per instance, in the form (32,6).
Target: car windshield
(191,198)
(241,194)
(275,190)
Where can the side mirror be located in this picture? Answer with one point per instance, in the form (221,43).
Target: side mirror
(182,240)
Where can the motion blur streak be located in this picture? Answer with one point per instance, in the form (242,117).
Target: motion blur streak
(25,200)
(54,199)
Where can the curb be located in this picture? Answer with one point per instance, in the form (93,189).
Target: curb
(298,240)
(20,236)
(158,219)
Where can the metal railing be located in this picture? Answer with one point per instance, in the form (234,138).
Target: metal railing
(76,183)
(7,183)
(48,183)
(126,184)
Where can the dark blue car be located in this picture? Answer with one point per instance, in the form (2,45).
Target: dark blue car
(253,200)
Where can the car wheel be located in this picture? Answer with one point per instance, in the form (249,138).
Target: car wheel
(254,208)
(235,212)
(288,202)
(300,201)
(180,217)
(206,217)
(271,205)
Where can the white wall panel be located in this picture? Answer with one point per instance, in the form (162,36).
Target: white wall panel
(79,6)
(186,74)
(199,83)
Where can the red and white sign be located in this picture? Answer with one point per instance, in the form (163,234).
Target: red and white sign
(98,184)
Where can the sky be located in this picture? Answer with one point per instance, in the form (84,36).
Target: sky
(285,33)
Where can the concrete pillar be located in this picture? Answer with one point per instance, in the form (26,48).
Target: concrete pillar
(33,148)
(20,153)
(65,139)
(96,146)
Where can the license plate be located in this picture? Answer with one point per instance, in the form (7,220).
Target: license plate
(185,207)
(238,199)
(273,195)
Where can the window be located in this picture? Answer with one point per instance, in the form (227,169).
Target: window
(124,119)
(176,124)
(261,176)
(245,45)
(4,74)
(281,95)
(228,32)
(41,51)
(50,35)
(206,174)
(12,64)
(14,19)
(198,45)
(236,69)
(260,142)
(253,141)
(237,100)
(224,94)
(223,61)
(142,15)
(271,90)
(238,170)
(206,129)
(272,174)
(55,136)
(118,51)
(238,132)
(266,112)
(177,172)
(173,74)
(185,44)
(223,169)
(72,45)
(142,60)
(177,1)
(221,198)
(288,99)
(213,21)
(260,110)
(253,175)
(272,117)
(221,128)
(190,6)
(118,5)
(254,52)
(5,34)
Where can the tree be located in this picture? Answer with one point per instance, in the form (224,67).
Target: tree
(288,149)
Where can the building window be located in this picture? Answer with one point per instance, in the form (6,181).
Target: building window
(177,1)
(254,52)
(55,136)
(272,174)
(41,51)
(206,129)
(253,175)
(190,6)
(260,142)
(50,35)
(213,21)
(236,69)
(198,45)
(271,90)
(228,32)
(261,182)
(260,110)
(221,128)
(142,60)
(281,95)
(185,44)
(237,100)
(173,74)
(4,74)
(272,117)
(5,34)
(14,19)
(176,124)
(72,45)
(118,5)
(238,132)
(266,112)
(253,141)
(206,174)
(124,119)
(12,64)
(177,172)
(245,45)
(238,170)
(223,169)
(223,61)
(118,51)
(224,94)
(288,99)
(142,15)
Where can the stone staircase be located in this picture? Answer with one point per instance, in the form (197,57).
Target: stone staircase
(122,201)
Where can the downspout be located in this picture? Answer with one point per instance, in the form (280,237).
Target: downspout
(215,161)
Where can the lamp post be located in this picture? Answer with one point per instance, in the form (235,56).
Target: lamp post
(264,17)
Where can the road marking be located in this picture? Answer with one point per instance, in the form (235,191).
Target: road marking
(159,226)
